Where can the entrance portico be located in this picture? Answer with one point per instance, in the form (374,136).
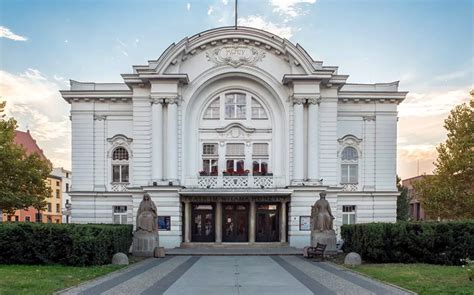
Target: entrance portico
(235,217)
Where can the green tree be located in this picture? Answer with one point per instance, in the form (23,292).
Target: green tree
(403,202)
(22,176)
(449,193)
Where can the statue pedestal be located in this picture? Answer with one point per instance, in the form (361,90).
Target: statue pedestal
(144,243)
(327,238)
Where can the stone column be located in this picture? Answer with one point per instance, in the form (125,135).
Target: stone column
(218,222)
(157,139)
(283,222)
(298,140)
(252,223)
(172,148)
(313,139)
(187,222)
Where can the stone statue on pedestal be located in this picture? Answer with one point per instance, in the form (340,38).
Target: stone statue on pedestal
(322,225)
(145,238)
(146,215)
(321,215)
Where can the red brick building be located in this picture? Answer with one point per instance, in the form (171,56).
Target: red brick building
(416,209)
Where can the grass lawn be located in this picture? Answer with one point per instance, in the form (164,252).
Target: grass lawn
(421,278)
(46,279)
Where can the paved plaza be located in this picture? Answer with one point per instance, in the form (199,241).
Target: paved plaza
(233,275)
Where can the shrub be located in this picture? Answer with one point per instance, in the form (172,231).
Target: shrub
(427,242)
(68,244)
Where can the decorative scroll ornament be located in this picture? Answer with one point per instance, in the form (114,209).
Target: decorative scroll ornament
(235,55)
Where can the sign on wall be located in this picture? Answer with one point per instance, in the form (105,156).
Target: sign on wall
(305,223)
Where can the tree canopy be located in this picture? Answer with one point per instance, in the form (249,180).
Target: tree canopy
(449,193)
(403,202)
(22,177)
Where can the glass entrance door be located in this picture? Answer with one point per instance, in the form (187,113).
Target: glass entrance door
(268,228)
(203,223)
(235,223)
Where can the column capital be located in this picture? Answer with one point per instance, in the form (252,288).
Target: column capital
(172,100)
(314,99)
(306,99)
(100,117)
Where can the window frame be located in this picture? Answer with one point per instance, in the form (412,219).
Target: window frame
(121,215)
(235,105)
(349,214)
(122,166)
(349,167)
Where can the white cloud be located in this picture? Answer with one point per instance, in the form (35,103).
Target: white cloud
(6,33)
(260,22)
(34,101)
(188,6)
(66,41)
(210,10)
(432,103)
(225,2)
(290,8)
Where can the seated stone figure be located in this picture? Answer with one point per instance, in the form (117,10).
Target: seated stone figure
(321,215)
(147,215)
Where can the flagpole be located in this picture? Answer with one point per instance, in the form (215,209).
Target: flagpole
(235,10)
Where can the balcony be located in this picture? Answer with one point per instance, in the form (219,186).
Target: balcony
(236,181)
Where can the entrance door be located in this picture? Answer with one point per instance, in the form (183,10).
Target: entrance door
(268,228)
(203,223)
(235,223)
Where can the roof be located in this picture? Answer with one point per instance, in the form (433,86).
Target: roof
(29,144)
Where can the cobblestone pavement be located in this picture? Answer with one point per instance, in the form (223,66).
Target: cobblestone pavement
(233,275)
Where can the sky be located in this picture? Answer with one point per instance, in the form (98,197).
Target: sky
(426,45)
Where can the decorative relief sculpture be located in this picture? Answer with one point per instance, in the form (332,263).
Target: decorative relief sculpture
(235,55)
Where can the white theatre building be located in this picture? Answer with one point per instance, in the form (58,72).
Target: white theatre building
(234,133)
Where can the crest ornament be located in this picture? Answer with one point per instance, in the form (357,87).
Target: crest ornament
(235,55)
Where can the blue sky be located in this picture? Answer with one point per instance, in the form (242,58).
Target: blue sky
(428,45)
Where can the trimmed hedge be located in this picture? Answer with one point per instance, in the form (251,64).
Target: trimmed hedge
(404,242)
(68,244)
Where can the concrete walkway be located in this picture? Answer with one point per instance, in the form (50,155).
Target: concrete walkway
(234,275)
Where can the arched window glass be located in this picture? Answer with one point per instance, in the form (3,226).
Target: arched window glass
(349,166)
(120,165)
(258,112)
(349,154)
(235,106)
(213,110)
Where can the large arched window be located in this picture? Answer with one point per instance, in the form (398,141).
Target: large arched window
(120,165)
(213,110)
(349,166)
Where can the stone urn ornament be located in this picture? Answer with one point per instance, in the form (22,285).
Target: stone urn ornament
(322,225)
(145,238)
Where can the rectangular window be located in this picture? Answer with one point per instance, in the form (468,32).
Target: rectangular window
(235,149)
(349,173)
(67,187)
(27,219)
(348,214)
(209,149)
(260,149)
(49,207)
(210,166)
(57,183)
(234,165)
(120,214)
(164,223)
(58,209)
(38,217)
(17,218)
(58,194)
(120,173)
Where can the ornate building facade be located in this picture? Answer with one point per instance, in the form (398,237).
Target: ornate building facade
(234,133)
